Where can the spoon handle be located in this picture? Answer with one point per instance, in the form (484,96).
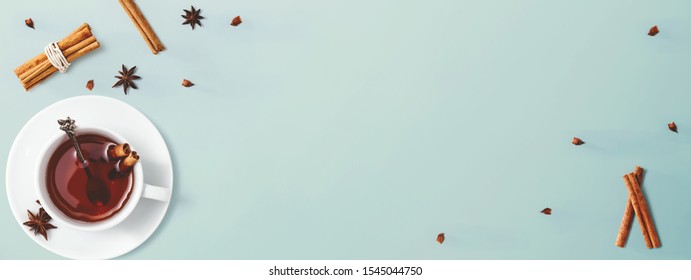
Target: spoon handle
(80,155)
(68,127)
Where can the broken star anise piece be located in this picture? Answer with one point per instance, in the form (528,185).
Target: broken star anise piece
(577,141)
(127,78)
(39,223)
(546,211)
(236,21)
(187,83)
(29,22)
(192,17)
(653,31)
(440,238)
(672,126)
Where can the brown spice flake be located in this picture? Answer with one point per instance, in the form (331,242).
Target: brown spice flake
(90,85)
(187,83)
(38,202)
(672,126)
(577,141)
(236,21)
(546,211)
(440,238)
(29,22)
(653,31)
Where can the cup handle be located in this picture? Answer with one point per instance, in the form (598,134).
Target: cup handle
(156,193)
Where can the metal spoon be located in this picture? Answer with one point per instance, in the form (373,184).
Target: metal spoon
(96,190)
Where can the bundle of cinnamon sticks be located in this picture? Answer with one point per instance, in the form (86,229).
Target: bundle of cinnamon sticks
(80,42)
(636,205)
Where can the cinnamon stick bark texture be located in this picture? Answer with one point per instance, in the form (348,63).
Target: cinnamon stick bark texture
(142,25)
(641,211)
(29,77)
(86,49)
(650,225)
(637,210)
(80,42)
(116,152)
(128,162)
(65,43)
(627,221)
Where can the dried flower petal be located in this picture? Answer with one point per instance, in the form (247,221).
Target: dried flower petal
(577,141)
(236,21)
(29,22)
(440,238)
(546,211)
(672,126)
(187,83)
(653,31)
(90,85)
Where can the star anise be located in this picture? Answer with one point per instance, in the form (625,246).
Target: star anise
(127,78)
(192,17)
(39,222)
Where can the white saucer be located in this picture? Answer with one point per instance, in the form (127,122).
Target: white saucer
(93,111)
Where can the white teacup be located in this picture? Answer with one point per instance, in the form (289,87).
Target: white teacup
(139,188)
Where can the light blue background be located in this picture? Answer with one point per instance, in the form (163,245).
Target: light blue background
(361,129)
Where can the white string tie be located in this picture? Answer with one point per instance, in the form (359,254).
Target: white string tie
(56,57)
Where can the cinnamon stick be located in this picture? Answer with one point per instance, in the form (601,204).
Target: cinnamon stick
(81,33)
(116,152)
(128,162)
(89,48)
(637,210)
(641,211)
(142,25)
(645,211)
(627,220)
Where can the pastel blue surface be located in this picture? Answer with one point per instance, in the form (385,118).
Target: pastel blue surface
(361,129)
